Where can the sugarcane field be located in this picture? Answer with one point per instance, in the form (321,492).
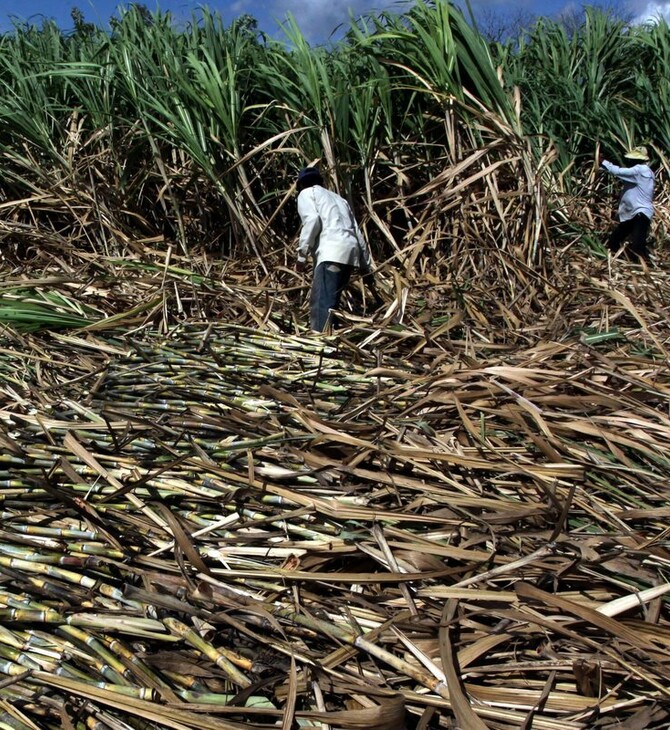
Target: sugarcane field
(446,507)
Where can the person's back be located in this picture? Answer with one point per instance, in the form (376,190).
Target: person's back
(330,234)
(338,237)
(638,189)
(636,205)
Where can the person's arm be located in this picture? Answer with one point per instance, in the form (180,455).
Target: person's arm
(628,174)
(366,260)
(364,250)
(366,264)
(311,224)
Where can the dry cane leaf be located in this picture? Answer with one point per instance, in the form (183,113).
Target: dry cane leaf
(465,715)
(389,715)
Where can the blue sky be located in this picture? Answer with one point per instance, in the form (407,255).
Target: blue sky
(316,18)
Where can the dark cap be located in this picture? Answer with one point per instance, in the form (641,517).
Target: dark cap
(309,176)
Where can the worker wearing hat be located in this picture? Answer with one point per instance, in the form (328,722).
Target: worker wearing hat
(636,206)
(330,234)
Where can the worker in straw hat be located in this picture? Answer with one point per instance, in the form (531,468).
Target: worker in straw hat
(636,206)
(330,234)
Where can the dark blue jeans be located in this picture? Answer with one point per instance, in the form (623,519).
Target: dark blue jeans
(330,280)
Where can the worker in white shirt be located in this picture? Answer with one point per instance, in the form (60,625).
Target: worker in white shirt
(330,234)
(636,206)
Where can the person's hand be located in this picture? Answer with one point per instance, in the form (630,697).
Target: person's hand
(300,266)
(369,281)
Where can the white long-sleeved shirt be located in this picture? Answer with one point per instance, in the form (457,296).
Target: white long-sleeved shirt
(638,190)
(329,230)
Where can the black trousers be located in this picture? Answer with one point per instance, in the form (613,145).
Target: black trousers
(330,280)
(636,230)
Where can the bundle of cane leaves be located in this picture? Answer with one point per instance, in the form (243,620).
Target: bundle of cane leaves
(253,524)
(30,310)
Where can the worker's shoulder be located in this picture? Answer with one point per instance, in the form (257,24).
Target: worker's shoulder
(643,171)
(331,199)
(326,192)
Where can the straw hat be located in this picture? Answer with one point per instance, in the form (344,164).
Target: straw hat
(638,153)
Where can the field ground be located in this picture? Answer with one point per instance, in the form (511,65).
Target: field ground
(432,518)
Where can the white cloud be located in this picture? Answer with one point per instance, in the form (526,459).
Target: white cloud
(653,11)
(318,19)
(321,20)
